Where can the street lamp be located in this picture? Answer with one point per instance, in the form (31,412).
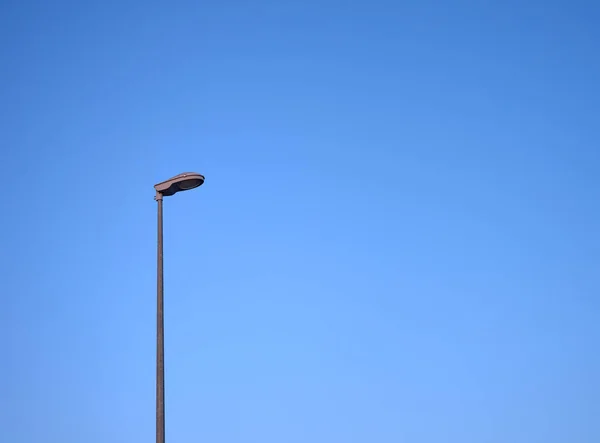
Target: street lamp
(181,182)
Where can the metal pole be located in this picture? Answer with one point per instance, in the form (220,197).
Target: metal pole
(160,338)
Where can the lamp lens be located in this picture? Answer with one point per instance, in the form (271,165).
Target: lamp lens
(189,184)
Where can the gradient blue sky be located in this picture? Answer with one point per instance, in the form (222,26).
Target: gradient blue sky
(398,238)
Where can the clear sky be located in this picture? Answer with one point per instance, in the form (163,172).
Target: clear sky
(398,239)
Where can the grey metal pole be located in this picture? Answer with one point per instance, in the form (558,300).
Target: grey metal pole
(160,337)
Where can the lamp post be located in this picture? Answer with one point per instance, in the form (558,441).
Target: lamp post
(181,182)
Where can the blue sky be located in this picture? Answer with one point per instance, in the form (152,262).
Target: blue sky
(397,240)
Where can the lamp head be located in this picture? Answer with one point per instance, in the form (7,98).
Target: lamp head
(181,182)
